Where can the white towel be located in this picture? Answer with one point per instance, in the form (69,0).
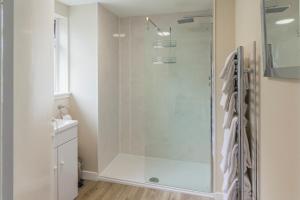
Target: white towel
(228,67)
(228,85)
(232,169)
(225,99)
(247,155)
(228,144)
(231,110)
(232,193)
(247,188)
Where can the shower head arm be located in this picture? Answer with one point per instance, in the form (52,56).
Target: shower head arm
(151,22)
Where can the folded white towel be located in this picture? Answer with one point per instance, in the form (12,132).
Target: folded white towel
(247,155)
(229,84)
(232,193)
(232,169)
(231,110)
(247,188)
(225,99)
(228,144)
(247,185)
(228,69)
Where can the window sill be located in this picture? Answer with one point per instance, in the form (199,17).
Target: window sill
(62,95)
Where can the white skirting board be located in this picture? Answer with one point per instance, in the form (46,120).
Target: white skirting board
(93,176)
(90,176)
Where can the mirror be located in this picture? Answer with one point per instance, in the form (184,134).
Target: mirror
(281,29)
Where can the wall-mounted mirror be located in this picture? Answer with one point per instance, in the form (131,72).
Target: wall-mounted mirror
(281,29)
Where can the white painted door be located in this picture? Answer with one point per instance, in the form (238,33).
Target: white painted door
(67,171)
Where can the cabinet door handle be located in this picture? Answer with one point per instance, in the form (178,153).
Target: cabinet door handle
(62,163)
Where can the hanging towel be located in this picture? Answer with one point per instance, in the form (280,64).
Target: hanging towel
(228,85)
(247,188)
(231,110)
(247,155)
(229,140)
(232,193)
(228,69)
(225,99)
(232,169)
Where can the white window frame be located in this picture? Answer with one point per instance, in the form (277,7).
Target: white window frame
(58,92)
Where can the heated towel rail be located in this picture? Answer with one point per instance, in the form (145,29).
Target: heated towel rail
(243,95)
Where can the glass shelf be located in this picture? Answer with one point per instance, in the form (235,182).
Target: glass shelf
(164,60)
(164,44)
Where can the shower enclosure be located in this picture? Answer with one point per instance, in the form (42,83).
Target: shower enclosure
(177,109)
(165,102)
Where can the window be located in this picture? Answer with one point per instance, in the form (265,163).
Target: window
(61,56)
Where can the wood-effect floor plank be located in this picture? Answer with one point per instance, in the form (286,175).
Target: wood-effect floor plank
(112,191)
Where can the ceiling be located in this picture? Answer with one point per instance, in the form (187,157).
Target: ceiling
(124,8)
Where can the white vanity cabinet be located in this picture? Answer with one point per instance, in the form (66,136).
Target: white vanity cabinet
(65,156)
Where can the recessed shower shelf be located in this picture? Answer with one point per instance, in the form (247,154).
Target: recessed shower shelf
(164,60)
(164,44)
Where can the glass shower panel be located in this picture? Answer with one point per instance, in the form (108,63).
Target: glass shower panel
(178,104)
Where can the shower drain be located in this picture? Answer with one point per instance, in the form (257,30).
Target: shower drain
(154,180)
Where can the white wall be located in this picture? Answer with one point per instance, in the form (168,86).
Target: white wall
(62,9)
(84,80)
(33,98)
(108,87)
(278,102)
(279,115)
(224,43)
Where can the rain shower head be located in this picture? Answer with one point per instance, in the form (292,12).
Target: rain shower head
(277,9)
(185,20)
(190,19)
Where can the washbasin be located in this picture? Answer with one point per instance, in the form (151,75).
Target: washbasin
(60,125)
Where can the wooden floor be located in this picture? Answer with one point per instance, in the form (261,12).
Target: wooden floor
(112,191)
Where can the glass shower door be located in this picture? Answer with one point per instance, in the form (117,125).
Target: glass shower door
(178,105)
